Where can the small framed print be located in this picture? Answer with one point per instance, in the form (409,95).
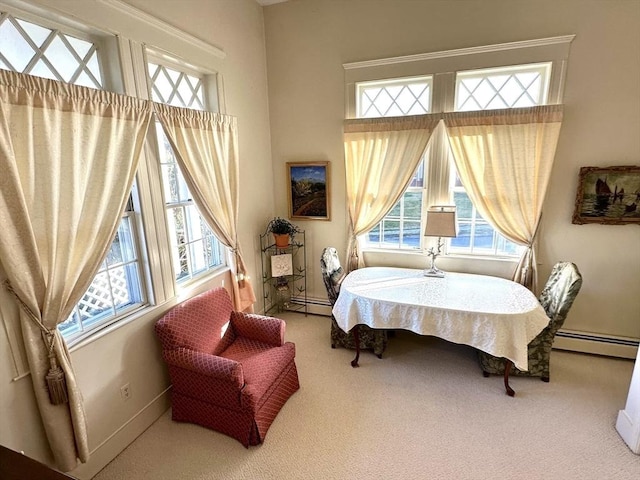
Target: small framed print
(309,192)
(281,265)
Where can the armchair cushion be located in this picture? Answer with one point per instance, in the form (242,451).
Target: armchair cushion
(230,371)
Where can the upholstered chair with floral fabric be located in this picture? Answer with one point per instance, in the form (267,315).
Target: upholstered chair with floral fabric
(556,298)
(332,274)
(230,371)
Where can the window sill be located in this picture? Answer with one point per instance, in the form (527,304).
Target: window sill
(483,265)
(185,291)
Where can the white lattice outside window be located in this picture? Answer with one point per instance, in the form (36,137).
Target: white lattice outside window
(195,249)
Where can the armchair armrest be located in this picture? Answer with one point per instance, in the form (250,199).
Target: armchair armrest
(259,327)
(206,364)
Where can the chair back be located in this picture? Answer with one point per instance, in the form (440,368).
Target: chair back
(332,272)
(560,291)
(201,323)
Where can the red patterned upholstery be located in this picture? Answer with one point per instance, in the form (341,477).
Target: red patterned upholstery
(231,371)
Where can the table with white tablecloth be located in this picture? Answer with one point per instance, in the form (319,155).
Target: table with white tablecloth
(492,314)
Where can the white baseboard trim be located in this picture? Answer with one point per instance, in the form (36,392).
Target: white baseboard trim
(113,445)
(629,432)
(584,342)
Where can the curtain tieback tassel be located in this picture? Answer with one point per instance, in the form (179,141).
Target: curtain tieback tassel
(56,383)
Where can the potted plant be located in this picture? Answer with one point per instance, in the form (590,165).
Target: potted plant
(283,230)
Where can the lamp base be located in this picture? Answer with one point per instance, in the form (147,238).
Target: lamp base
(433,272)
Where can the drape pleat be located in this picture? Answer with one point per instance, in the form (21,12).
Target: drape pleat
(504,160)
(68,156)
(381,156)
(206,147)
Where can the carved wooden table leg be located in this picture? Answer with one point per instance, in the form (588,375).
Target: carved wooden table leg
(507,369)
(356,338)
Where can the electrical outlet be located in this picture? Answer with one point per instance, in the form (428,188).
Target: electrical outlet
(125,391)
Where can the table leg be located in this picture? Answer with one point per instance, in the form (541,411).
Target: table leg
(356,338)
(507,369)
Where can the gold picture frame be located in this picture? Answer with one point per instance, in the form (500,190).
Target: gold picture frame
(309,192)
(608,196)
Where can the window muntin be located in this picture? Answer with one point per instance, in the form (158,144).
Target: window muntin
(49,53)
(195,249)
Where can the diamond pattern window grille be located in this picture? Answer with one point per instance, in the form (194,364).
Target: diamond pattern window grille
(195,249)
(175,88)
(394,98)
(44,52)
(502,88)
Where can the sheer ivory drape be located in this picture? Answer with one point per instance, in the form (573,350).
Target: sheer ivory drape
(206,147)
(68,156)
(381,156)
(504,160)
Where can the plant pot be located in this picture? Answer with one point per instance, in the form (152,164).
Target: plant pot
(282,240)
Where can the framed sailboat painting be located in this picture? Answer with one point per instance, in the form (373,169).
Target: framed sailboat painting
(609,195)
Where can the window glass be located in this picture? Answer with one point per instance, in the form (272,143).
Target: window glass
(50,53)
(394,98)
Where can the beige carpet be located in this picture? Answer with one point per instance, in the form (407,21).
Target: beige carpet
(422,412)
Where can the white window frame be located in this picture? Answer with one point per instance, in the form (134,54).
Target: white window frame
(193,248)
(551,52)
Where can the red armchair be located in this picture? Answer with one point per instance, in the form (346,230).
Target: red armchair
(231,371)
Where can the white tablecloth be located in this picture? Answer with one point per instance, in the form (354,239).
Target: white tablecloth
(492,314)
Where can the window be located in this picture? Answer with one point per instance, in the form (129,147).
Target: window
(504,87)
(393,98)
(488,89)
(401,227)
(118,287)
(46,52)
(195,249)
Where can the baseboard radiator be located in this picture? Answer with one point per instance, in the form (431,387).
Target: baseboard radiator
(598,344)
(570,340)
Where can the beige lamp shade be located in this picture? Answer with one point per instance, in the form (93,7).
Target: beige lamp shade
(441,222)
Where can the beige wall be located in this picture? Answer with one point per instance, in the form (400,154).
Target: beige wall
(130,353)
(308,41)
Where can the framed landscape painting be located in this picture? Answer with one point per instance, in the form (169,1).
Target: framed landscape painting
(609,195)
(308,190)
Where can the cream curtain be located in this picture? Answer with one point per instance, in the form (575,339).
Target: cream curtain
(206,146)
(504,160)
(68,156)
(381,156)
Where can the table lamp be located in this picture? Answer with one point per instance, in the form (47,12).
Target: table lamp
(441,222)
